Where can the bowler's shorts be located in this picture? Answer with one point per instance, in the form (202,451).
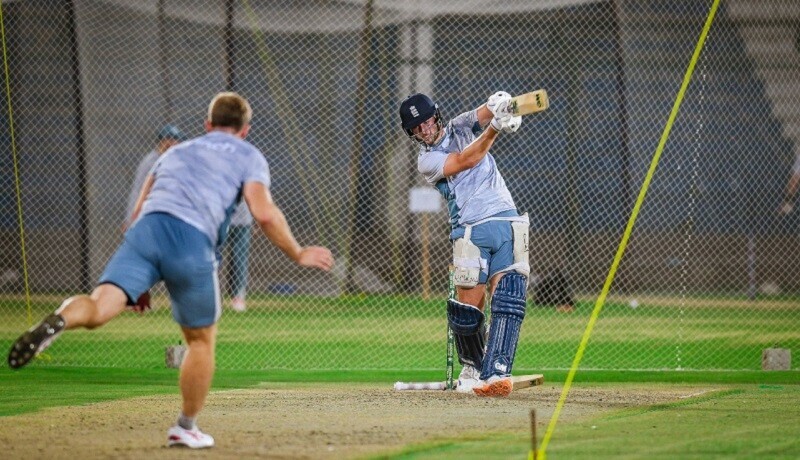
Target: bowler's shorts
(162,247)
(495,239)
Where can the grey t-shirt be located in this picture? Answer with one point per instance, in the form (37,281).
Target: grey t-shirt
(200,181)
(138,181)
(242,217)
(473,194)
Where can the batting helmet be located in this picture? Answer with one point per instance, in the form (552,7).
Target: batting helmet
(415,109)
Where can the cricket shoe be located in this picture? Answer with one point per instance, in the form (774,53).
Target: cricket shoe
(35,340)
(193,439)
(496,385)
(468,379)
(237,304)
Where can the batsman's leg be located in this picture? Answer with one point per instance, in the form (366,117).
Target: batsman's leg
(508,311)
(469,328)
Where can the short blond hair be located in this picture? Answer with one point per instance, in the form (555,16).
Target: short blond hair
(229,110)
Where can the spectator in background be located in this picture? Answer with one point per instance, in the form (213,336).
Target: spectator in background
(239,242)
(167,136)
(791,188)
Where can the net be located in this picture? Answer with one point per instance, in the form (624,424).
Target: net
(711,274)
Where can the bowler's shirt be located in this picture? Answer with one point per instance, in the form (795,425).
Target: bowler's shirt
(471,195)
(200,181)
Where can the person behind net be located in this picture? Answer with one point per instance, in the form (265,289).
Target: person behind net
(489,236)
(239,244)
(168,136)
(787,206)
(181,220)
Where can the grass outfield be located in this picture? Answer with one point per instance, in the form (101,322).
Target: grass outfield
(743,422)
(384,332)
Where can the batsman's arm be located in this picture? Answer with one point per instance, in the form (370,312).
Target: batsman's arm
(472,154)
(273,223)
(484,115)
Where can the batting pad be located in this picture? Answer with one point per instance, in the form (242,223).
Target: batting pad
(508,311)
(469,328)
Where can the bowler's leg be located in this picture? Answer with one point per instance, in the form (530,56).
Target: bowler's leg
(95,310)
(105,302)
(197,369)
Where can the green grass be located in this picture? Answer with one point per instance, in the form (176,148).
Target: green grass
(747,421)
(384,339)
(394,332)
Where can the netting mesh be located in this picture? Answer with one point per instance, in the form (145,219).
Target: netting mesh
(710,277)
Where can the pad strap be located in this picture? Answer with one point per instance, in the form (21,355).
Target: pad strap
(469,329)
(508,311)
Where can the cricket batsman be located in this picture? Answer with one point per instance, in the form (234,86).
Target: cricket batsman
(489,236)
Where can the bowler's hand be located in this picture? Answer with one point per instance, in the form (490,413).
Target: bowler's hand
(316,257)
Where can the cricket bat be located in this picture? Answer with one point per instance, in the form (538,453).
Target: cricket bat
(527,381)
(519,381)
(528,103)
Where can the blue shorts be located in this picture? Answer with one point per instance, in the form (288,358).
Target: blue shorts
(162,247)
(495,239)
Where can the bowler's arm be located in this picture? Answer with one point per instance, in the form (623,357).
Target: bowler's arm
(273,224)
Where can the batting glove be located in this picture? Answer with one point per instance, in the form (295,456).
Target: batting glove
(498,123)
(498,103)
(512,124)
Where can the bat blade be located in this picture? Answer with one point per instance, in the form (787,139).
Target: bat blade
(528,103)
(527,381)
(519,381)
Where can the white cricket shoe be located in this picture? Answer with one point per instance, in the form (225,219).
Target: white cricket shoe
(237,304)
(193,439)
(496,385)
(468,379)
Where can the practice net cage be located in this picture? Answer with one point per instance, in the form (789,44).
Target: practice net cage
(709,278)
